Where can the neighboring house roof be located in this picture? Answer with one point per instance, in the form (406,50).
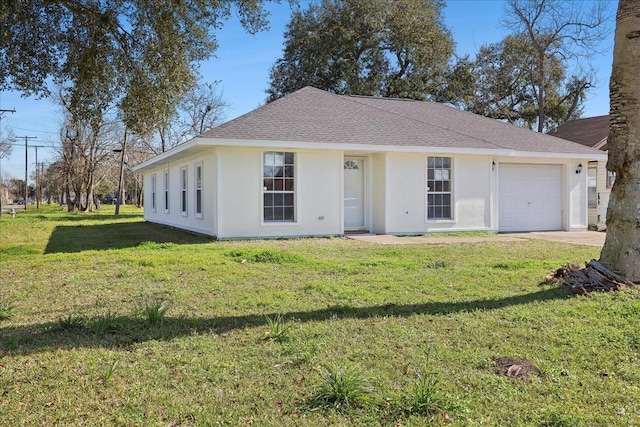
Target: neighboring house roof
(313,118)
(591,131)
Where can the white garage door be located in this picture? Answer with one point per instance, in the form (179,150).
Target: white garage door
(530,197)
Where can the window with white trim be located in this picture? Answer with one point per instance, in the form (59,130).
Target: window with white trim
(183,190)
(278,184)
(439,188)
(153,192)
(166,190)
(198,190)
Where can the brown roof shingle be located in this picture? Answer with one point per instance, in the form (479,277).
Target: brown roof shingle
(313,115)
(589,131)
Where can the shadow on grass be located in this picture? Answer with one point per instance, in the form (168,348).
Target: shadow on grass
(124,331)
(78,238)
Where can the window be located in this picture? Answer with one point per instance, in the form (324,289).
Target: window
(153,192)
(198,180)
(592,189)
(166,191)
(611,178)
(278,186)
(183,190)
(439,188)
(351,165)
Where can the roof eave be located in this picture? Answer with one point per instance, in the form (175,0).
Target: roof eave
(191,147)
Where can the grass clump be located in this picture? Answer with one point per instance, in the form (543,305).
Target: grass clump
(155,312)
(6,310)
(278,329)
(107,323)
(343,387)
(425,397)
(70,322)
(111,369)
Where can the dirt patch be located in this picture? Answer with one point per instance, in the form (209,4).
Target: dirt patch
(513,367)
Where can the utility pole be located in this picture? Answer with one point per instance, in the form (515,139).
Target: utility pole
(26,167)
(121,179)
(41,176)
(2,111)
(37,177)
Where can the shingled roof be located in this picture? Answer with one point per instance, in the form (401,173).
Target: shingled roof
(313,115)
(317,119)
(591,131)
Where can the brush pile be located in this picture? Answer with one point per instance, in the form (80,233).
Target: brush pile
(592,277)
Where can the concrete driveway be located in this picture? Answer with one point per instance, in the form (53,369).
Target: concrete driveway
(591,238)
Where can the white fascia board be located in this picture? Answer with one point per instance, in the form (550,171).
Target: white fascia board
(162,157)
(576,156)
(201,142)
(596,155)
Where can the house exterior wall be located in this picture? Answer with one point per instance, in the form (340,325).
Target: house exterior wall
(318,194)
(379,192)
(578,218)
(395,183)
(407,190)
(173,216)
(603,194)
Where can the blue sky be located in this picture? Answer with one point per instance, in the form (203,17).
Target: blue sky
(242,64)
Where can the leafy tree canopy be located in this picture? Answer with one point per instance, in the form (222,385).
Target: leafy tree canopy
(538,75)
(502,83)
(138,54)
(395,48)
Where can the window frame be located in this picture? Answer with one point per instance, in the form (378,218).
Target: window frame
(166,190)
(445,191)
(184,186)
(153,193)
(283,175)
(197,190)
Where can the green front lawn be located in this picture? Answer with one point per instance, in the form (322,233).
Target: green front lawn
(112,321)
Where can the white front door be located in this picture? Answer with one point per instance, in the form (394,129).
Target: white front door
(353,194)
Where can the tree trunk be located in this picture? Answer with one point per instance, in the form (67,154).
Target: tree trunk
(621,251)
(541,82)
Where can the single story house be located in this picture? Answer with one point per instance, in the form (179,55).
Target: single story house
(592,132)
(315,163)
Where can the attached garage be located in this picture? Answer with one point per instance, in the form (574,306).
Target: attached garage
(529,197)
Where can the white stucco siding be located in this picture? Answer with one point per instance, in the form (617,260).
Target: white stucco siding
(603,194)
(317,196)
(173,216)
(407,194)
(378,193)
(472,183)
(406,184)
(577,198)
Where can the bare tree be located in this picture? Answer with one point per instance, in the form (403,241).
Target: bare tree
(201,109)
(5,151)
(85,151)
(556,30)
(621,251)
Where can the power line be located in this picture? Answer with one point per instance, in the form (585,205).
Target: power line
(36,131)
